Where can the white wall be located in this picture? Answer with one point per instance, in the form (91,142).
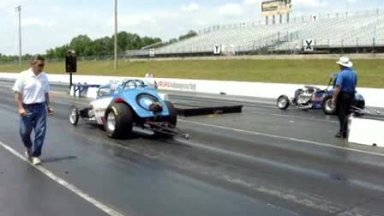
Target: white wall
(373,97)
(366,131)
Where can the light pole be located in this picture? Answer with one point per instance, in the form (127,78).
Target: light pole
(346,7)
(18,9)
(115,62)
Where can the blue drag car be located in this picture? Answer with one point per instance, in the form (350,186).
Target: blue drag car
(120,106)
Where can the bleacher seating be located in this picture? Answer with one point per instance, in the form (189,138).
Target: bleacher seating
(365,28)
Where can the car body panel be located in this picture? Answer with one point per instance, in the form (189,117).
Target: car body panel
(130,97)
(99,107)
(128,92)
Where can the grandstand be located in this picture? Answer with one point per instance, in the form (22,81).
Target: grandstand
(361,31)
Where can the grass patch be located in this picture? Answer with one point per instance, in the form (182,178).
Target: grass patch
(315,71)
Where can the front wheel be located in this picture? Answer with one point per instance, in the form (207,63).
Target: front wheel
(74,115)
(283,102)
(328,107)
(118,121)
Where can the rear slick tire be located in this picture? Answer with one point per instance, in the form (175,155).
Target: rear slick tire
(118,121)
(328,107)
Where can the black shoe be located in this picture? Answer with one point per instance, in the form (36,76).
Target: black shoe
(338,135)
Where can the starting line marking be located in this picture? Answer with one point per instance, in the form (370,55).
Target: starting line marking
(67,185)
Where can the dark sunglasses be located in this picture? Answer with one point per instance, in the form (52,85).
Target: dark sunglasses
(40,65)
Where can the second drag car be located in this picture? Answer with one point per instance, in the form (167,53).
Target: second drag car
(311,97)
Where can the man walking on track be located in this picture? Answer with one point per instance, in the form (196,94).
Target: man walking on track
(32,98)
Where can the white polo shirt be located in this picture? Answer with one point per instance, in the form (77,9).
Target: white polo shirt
(32,87)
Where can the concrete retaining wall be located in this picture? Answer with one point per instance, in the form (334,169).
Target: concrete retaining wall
(372,96)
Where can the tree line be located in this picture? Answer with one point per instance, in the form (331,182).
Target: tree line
(85,46)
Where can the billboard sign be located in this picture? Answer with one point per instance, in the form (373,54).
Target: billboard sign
(269,6)
(275,7)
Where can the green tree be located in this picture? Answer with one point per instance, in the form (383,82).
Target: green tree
(146,41)
(58,52)
(103,46)
(129,41)
(83,45)
(122,40)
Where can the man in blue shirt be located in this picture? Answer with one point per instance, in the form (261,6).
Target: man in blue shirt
(344,93)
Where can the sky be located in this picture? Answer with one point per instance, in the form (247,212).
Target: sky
(51,23)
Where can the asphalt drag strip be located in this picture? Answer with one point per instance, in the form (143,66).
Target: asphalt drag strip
(277,163)
(25,191)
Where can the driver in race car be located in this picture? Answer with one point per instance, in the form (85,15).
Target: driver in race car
(344,95)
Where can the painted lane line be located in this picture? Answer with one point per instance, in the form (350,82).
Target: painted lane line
(67,185)
(283,138)
(294,117)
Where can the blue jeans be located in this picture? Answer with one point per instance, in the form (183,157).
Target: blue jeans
(36,119)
